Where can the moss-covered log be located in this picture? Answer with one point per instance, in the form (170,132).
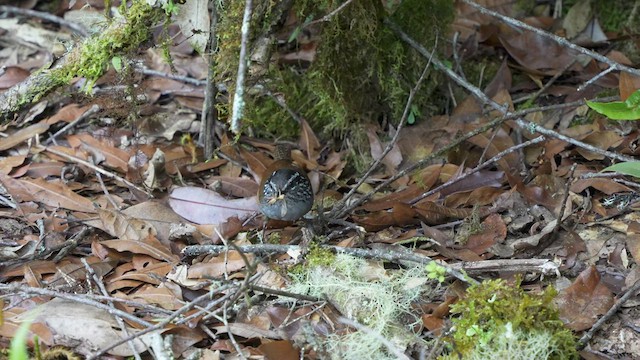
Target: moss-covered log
(90,59)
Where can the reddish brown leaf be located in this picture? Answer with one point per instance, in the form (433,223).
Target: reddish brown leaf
(536,53)
(240,187)
(160,296)
(400,215)
(607,186)
(628,84)
(102,150)
(389,201)
(11,76)
(257,162)
(392,160)
(68,113)
(493,230)
(581,303)
(8,163)
(276,350)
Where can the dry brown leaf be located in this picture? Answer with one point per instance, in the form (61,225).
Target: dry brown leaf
(85,328)
(628,84)
(217,266)
(11,76)
(309,142)
(101,149)
(152,274)
(581,303)
(257,163)
(122,226)
(633,240)
(493,231)
(282,350)
(52,193)
(8,163)
(237,187)
(400,215)
(149,246)
(68,113)
(22,135)
(160,296)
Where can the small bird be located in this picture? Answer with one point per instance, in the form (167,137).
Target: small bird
(285,191)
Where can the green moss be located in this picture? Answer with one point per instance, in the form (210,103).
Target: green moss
(95,54)
(319,256)
(362,72)
(316,256)
(493,306)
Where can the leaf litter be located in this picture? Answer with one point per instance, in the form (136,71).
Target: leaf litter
(451,210)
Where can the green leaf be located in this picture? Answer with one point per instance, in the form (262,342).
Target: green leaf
(116,61)
(619,110)
(413,113)
(18,347)
(616,110)
(296,31)
(634,99)
(628,168)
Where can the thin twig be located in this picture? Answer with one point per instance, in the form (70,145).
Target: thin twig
(614,309)
(548,84)
(21,289)
(485,164)
(562,41)
(380,254)
(106,191)
(104,292)
(93,167)
(595,78)
(149,327)
(238,98)
(342,208)
(52,139)
(527,125)
(185,79)
(329,15)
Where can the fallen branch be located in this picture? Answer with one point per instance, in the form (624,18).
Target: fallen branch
(90,59)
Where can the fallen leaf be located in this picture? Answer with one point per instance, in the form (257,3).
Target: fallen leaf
(587,298)
(203,206)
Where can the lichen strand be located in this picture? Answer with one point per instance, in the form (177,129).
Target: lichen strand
(96,53)
(362,71)
(492,305)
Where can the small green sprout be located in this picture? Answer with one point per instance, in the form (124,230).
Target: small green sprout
(435,271)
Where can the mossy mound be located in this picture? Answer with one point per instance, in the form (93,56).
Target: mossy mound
(361,71)
(503,321)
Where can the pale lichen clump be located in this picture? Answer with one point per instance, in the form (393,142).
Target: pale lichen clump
(368,294)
